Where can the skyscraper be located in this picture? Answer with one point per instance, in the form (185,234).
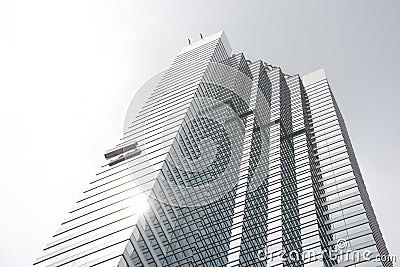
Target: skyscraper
(229,162)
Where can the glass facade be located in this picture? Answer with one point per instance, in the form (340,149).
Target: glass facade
(229,162)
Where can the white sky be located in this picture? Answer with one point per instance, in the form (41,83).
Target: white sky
(68,70)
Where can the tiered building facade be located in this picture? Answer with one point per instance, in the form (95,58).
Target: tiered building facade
(229,162)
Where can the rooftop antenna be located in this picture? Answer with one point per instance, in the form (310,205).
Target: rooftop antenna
(201,36)
(189,40)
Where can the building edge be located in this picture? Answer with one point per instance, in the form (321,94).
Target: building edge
(320,75)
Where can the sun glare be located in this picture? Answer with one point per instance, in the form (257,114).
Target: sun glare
(140,203)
